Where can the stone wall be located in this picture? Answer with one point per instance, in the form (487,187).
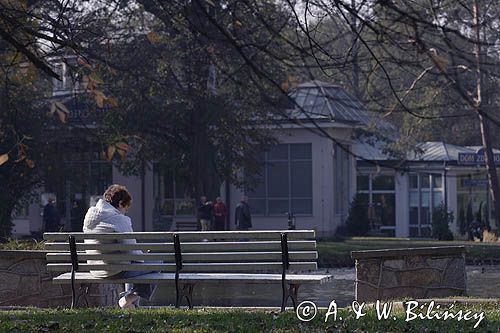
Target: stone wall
(24,281)
(414,273)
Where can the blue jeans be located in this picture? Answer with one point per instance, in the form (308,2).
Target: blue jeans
(143,290)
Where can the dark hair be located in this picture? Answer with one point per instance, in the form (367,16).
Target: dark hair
(116,194)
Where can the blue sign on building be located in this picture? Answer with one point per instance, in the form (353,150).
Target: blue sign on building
(476,158)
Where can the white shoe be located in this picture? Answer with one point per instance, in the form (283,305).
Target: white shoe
(127,302)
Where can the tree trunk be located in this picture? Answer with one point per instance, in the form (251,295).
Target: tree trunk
(485,137)
(491,168)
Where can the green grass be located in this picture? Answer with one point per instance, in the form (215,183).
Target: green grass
(231,320)
(338,253)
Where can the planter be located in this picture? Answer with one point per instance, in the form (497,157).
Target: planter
(24,281)
(410,273)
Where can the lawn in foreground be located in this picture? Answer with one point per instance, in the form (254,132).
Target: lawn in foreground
(338,253)
(231,320)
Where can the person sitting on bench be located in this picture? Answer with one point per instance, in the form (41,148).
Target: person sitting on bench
(108,216)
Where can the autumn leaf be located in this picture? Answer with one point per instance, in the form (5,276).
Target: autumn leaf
(111,152)
(153,37)
(99,98)
(95,78)
(111,101)
(83,62)
(4,158)
(62,107)
(440,61)
(238,23)
(52,108)
(85,82)
(122,146)
(61,115)
(30,163)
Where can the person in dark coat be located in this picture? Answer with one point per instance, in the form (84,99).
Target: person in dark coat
(51,217)
(205,212)
(242,216)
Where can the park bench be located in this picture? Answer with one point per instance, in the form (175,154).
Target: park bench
(188,258)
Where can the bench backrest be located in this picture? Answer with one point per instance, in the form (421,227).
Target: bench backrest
(210,252)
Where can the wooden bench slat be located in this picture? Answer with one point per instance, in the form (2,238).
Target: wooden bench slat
(188,235)
(84,277)
(188,267)
(189,257)
(189,247)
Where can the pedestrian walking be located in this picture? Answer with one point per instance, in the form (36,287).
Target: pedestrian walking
(220,214)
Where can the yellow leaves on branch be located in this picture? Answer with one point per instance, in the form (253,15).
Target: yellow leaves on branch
(91,82)
(60,109)
(4,158)
(153,37)
(119,147)
(440,61)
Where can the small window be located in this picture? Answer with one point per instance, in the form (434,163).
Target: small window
(279,152)
(363,182)
(425,181)
(413,181)
(383,183)
(437,181)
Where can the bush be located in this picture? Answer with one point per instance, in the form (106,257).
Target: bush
(441,218)
(358,223)
(14,244)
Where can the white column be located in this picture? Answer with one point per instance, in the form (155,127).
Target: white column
(402,205)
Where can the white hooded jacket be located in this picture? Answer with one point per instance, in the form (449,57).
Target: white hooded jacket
(104,218)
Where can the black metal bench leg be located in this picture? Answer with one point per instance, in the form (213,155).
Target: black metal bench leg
(186,291)
(289,291)
(83,291)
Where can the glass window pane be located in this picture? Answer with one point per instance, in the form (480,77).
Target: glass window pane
(301,179)
(426,198)
(300,151)
(278,207)
(424,180)
(302,206)
(385,208)
(413,199)
(413,231)
(438,198)
(425,217)
(257,206)
(413,216)
(413,181)
(362,182)
(383,182)
(258,189)
(437,181)
(277,179)
(279,152)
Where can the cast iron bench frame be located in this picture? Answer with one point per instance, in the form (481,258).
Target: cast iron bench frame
(184,282)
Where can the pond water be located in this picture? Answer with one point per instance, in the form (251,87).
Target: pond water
(482,281)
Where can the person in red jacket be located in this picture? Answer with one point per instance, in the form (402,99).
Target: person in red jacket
(220,213)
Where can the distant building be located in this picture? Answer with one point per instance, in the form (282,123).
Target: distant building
(311,174)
